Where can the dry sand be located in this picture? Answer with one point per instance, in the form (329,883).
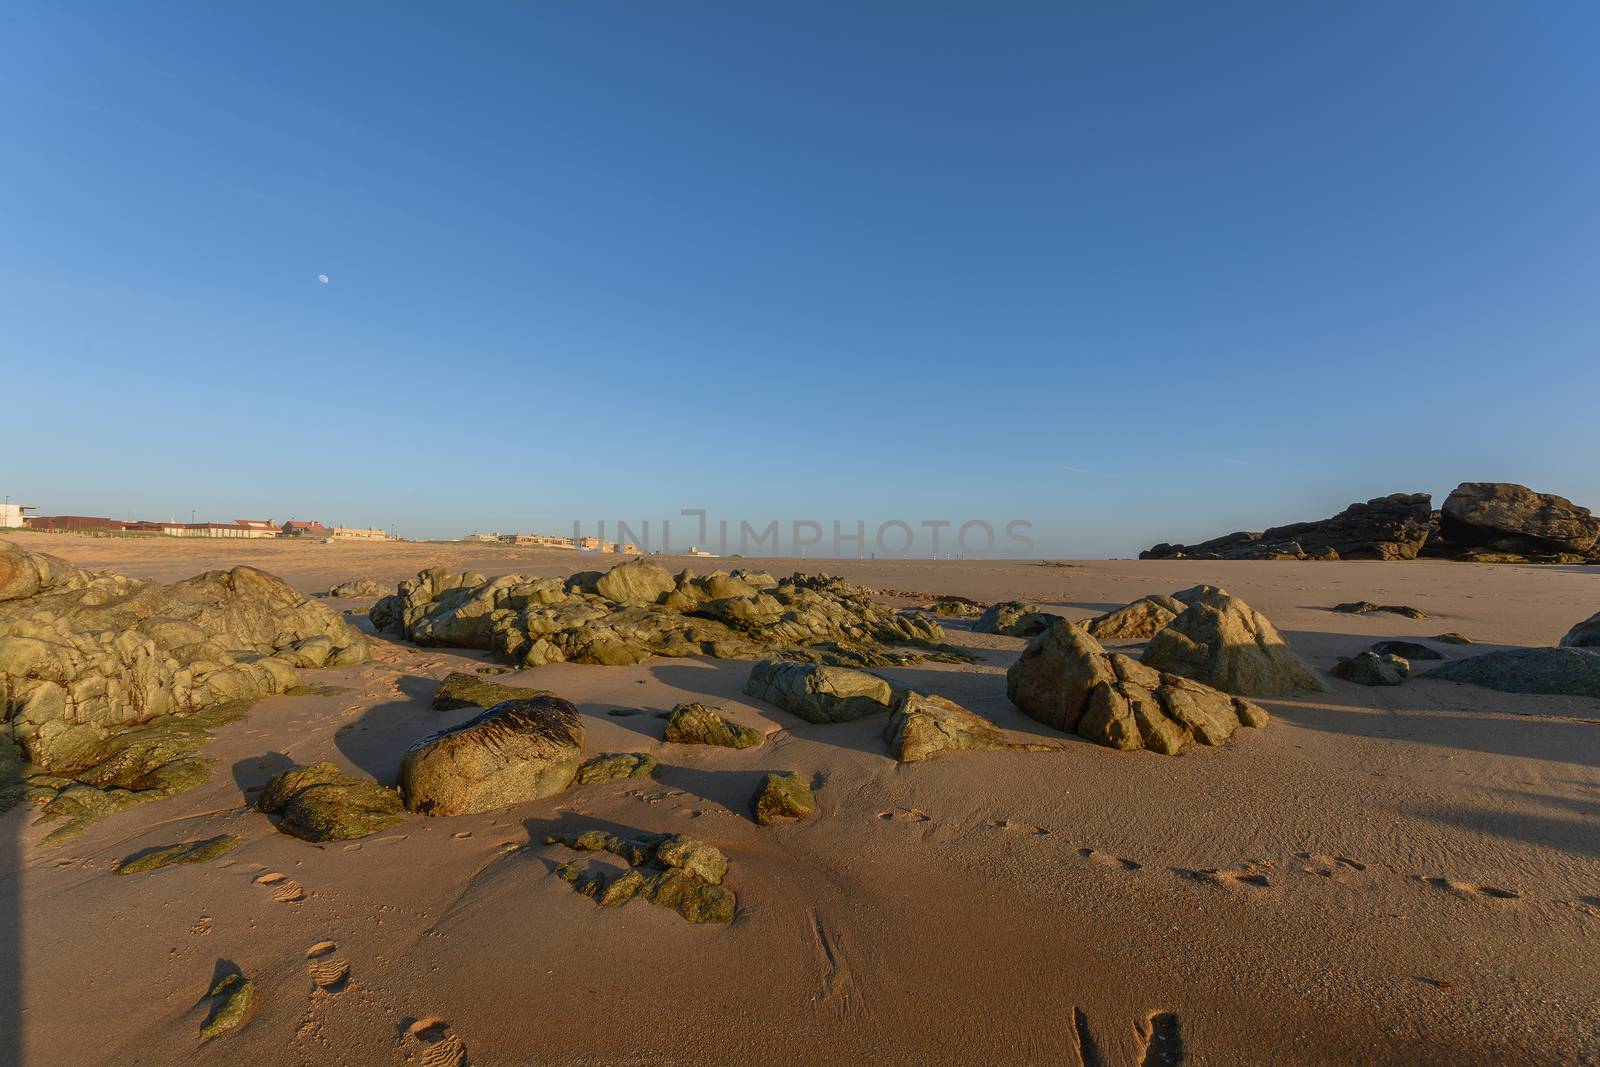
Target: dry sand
(1402,875)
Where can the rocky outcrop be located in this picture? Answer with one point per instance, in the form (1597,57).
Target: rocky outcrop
(782,798)
(360,589)
(1386,527)
(322,803)
(696,724)
(819,694)
(1504,517)
(1223,642)
(1013,618)
(638,610)
(1550,671)
(1585,634)
(1065,679)
(461,690)
(517,751)
(922,726)
(1138,621)
(1370,668)
(108,683)
(955,607)
(668,870)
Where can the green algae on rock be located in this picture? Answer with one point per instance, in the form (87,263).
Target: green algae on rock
(460,690)
(322,803)
(782,797)
(921,726)
(696,724)
(182,852)
(667,870)
(231,997)
(614,766)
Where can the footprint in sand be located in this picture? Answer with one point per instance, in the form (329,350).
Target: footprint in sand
(904,815)
(1254,874)
(1106,859)
(285,890)
(1324,866)
(1161,1040)
(440,1047)
(1018,827)
(1469,890)
(328,973)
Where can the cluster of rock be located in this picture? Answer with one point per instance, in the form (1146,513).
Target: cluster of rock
(638,610)
(1013,618)
(1489,522)
(1067,680)
(107,682)
(668,870)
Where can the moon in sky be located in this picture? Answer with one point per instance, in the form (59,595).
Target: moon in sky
(323,278)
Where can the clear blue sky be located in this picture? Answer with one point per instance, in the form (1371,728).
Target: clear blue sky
(1132,272)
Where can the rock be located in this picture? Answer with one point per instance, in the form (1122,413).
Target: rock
(921,726)
(1366,607)
(110,682)
(1013,618)
(955,607)
(517,751)
(696,724)
(460,690)
(684,874)
(1550,671)
(232,996)
(360,589)
(1387,527)
(1138,621)
(1223,642)
(1452,638)
(637,611)
(322,803)
(819,694)
(1585,634)
(1067,680)
(1502,516)
(1405,649)
(638,581)
(614,766)
(183,852)
(1369,668)
(783,796)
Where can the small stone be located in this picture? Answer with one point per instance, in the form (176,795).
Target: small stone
(1369,668)
(183,852)
(697,724)
(614,766)
(783,796)
(231,998)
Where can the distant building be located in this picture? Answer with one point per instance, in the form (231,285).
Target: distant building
(536,540)
(493,538)
(11,515)
(78,522)
(293,528)
(629,548)
(589,544)
(238,528)
(347,533)
(696,550)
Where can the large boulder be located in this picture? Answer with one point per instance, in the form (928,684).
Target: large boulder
(104,679)
(360,589)
(1385,527)
(1065,679)
(637,582)
(1013,618)
(1502,516)
(1549,671)
(517,751)
(696,724)
(1585,634)
(1225,643)
(819,693)
(322,803)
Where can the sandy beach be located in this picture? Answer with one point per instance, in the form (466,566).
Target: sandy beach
(1379,875)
